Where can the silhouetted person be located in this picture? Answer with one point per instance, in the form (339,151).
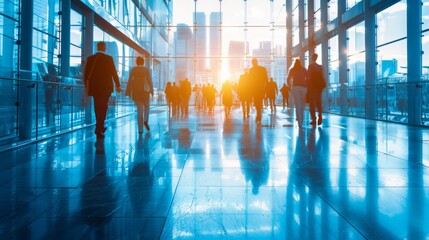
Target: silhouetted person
(297,78)
(185,94)
(227,97)
(211,97)
(272,91)
(168,97)
(100,70)
(140,88)
(258,79)
(245,94)
(175,98)
(285,95)
(315,85)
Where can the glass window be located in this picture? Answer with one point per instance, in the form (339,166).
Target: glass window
(392,23)
(332,10)
(425,39)
(392,63)
(75,44)
(356,55)
(351,3)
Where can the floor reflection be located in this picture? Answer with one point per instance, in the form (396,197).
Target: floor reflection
(207,177)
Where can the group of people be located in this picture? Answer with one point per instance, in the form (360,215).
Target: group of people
(100,70)
(253,87)
(307,86)
(178,97)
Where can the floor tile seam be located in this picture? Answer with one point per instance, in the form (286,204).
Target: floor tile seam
(173,197)
(337,211)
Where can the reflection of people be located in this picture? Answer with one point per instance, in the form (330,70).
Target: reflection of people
(98,197)
(297,79)
(99,72)
(140,175)
(258,80)
(140,88)
(253,161)
(315,85)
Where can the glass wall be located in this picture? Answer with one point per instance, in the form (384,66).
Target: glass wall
(425,62)
(46,103)
(235,31)
(295,23)
(333,75)
(356,69)
(332,10)
(317,15)
(351,3)
(392,63)
(9,21)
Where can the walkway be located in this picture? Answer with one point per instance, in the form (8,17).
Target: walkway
(209,178)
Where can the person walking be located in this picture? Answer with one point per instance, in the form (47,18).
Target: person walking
(258,80)
(315,85)
(139,89)
(185,95)
(99,72)
(227,97)
(285,95)
(272,92)
(297,78)
(245,94)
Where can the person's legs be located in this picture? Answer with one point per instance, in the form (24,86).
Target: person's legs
(100,109)
(146,110)
(139,106)
(258,106)
(303,93)
(318,105)
(283,101)
(312,106)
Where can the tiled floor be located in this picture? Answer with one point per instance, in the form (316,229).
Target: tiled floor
(205,177)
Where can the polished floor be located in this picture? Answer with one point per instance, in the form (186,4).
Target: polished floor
(207,177)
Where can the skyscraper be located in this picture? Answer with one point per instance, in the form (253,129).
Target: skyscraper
(236,52)
(184,49)
(200,42)
(215,45)
(263,54)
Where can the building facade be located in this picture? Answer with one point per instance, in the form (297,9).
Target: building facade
(43,48)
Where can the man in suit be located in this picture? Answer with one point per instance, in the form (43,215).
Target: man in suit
(100,70)
(259,81)
(315,85)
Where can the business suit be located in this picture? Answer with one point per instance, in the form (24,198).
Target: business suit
(99,72)
(259,81)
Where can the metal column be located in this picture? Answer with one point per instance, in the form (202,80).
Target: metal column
(26,93)
(414,61)
(88,49)
(342,52)
(65,37)
(370,62)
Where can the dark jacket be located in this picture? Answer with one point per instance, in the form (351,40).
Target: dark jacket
(316,79)
(99,72)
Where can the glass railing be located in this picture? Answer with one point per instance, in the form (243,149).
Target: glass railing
(391,100)
(42,108)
